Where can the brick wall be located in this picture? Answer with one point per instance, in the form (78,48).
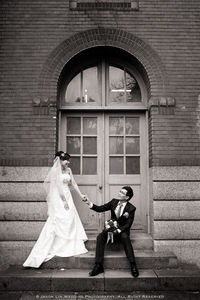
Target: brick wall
(32,30)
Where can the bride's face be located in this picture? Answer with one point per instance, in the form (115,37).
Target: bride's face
(65,163)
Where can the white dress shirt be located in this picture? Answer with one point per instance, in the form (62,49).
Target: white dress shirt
(121,206)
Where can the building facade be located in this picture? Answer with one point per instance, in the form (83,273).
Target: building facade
(116,84)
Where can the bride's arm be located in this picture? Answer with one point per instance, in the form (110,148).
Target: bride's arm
(58,184)
(75,186)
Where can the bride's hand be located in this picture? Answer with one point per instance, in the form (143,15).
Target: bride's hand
(63,198)
(66,206)
(88,202)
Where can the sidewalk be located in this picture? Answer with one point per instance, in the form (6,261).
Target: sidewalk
(101,296)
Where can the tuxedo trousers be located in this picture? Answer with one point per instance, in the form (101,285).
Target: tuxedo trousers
(122,237)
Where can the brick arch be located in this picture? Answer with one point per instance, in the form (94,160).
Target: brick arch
(149,59)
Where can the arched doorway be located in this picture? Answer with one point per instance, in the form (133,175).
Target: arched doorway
(102,114)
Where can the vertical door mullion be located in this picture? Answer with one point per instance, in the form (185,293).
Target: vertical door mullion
(82,86)
(104,82)
(124,158)
(101,164)
(106,156)
(62,133)
(125,100)
(81,154)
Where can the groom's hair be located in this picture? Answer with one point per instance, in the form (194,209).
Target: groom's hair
(129,191)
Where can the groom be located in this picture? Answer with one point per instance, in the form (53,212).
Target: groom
(123,212)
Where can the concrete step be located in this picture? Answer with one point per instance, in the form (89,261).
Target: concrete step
(16,251)
(115,260)
(140,241)
(29,231)
(17,278)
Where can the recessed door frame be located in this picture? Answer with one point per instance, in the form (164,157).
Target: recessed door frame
(101,180)
(102,109)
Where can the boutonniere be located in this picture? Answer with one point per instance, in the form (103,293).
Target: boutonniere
(126,215)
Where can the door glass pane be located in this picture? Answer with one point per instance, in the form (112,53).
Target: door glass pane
(89,125)
(116,85)
(75,165)
(116,125)
(132,125)
(73,92)
(89,165)
(116,165)
(81,143)
(73,145)
(83,88)
(133,93)
(90,85)
(73,125)
(89,145)
(116,145)
(132,165)
(132,145)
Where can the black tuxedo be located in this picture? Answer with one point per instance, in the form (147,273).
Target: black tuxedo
(124,225)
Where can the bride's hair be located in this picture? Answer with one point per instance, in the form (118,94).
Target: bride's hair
(63,155)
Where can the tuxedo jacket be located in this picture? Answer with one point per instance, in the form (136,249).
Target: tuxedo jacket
(124,223)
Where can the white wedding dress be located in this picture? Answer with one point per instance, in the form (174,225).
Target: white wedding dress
(63,233)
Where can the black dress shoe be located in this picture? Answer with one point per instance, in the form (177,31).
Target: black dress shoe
(134,270)
(97,269)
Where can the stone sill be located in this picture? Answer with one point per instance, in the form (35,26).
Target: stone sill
(105,5)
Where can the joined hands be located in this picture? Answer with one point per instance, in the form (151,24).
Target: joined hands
(86,199)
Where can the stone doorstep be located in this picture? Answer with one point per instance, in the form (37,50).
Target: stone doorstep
(140,241)
(145,259)
(18,279)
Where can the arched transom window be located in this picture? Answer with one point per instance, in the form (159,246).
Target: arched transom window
(103,84)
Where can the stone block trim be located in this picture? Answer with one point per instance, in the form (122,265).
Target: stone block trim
(176,174)
(25,162)
(186,250)
(175,211)
(183,190)
(177,230)
(23,174)
(20,230)
(22,191)
(23,211)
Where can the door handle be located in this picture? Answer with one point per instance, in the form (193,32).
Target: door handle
(100,187)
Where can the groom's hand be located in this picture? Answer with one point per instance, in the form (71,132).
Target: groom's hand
(117,231)
(90,204)
(84,198)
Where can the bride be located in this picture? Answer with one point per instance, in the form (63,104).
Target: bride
(63,233)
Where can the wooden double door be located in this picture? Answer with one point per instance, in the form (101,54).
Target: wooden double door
(108,150)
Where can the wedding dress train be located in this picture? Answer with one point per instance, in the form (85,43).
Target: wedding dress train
(63,233)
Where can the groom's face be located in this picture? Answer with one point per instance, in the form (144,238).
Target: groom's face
(122,195)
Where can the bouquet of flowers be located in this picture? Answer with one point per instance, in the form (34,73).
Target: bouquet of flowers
(110,227)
